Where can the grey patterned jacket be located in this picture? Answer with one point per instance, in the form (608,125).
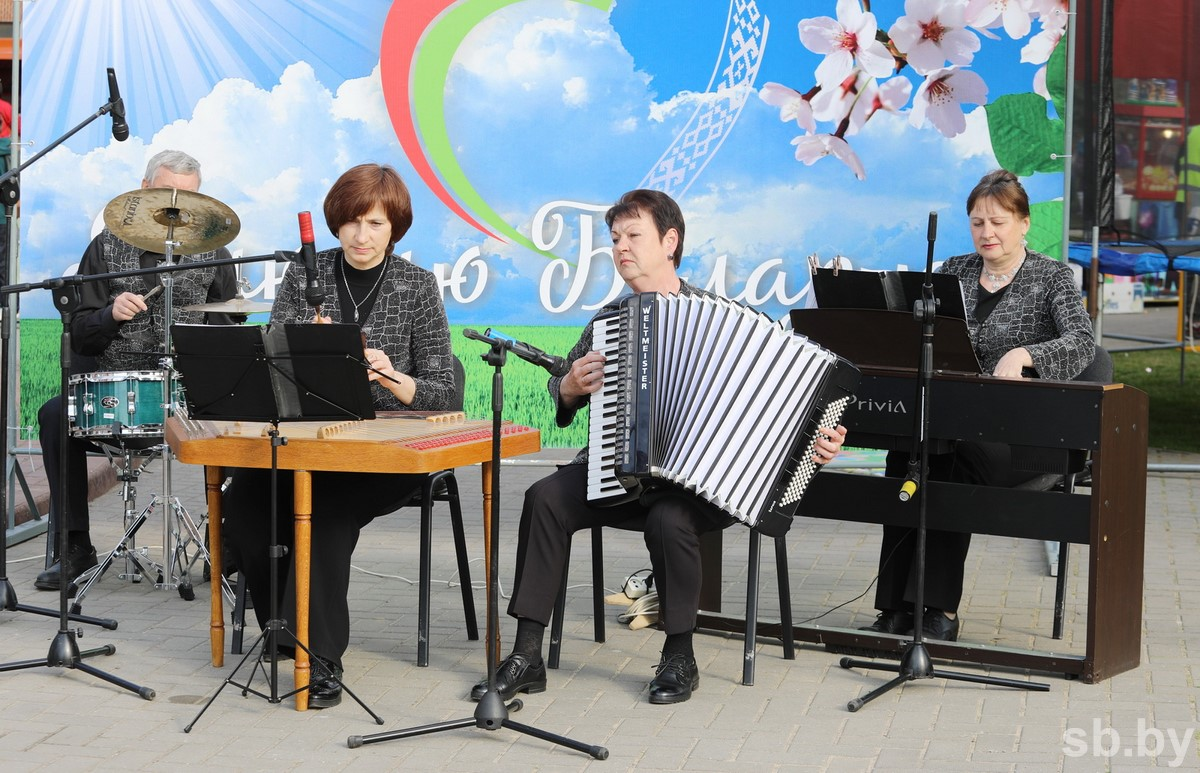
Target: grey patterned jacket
(408,322)
(564,415)
(1041,311)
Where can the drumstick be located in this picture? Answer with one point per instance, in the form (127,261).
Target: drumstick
(153,292)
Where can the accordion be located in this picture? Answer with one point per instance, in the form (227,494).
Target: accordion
(714,398)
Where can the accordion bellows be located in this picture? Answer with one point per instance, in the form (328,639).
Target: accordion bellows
(712,397)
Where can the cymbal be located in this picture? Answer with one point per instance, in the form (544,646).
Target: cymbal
(147,217)
(232,306)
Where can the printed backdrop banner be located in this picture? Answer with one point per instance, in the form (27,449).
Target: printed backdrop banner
(784,130)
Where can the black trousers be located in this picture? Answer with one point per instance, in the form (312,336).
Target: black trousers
(343,503)
(671,522)
(74,512)
(984,464)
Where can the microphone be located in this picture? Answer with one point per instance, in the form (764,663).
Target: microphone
(557,366)
(116,105)
(313,293)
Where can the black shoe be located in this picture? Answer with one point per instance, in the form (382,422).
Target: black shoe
(935,625)
(516,673)
(78,560)
(325,690)
(674,679)
(891,621)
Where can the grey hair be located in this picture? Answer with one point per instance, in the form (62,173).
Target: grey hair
(174,160)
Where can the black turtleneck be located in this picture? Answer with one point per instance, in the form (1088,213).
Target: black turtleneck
(358,288)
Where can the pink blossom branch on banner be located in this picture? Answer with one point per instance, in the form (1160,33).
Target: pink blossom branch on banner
(865,69)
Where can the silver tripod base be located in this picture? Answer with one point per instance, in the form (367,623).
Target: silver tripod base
(183,537)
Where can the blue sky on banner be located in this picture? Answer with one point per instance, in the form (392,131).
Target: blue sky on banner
(553,108)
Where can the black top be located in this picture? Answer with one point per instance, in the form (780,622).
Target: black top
(358,289)
(987,301)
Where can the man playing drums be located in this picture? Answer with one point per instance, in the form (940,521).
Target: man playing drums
(119,326)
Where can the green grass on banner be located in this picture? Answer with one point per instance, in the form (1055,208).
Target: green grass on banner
(38,369)
(1174,407)
(526,400)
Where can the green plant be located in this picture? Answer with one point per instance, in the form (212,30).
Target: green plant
(1174,406)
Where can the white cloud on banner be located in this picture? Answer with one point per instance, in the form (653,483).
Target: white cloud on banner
(257,154)
(975,142)
(545,101)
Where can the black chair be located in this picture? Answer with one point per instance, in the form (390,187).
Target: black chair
(1071,468)
(437,487)
(750,633)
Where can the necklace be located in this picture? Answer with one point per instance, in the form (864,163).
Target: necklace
(350,293)
(999,280)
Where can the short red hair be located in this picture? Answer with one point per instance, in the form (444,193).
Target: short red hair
(359,189)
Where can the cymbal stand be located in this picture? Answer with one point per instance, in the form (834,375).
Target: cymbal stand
(915,662)
(492,712)
(177,562)
(66,294)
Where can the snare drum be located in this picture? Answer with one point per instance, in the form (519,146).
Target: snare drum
(120,403)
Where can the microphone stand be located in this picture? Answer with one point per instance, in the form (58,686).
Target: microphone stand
(915,662)
(491,713)
(8,595)
(64,649)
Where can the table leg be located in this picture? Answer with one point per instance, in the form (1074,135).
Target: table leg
(213,476)
(303,566)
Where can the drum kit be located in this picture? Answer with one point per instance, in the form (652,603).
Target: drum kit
(124,412)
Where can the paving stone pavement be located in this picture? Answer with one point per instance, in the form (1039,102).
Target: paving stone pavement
(793,718)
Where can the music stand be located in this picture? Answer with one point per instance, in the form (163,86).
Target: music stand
(894,336)
(287,372)
(936,295)
(836,288)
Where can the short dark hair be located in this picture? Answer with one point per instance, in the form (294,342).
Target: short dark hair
(1004,188)
(361,188)
(661,208)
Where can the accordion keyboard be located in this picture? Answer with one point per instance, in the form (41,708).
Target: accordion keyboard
(605,405)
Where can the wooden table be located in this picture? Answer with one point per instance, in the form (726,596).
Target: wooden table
(397,443)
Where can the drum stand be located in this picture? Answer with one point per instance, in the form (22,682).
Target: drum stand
(175,569)
(137,564)
(181,532)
